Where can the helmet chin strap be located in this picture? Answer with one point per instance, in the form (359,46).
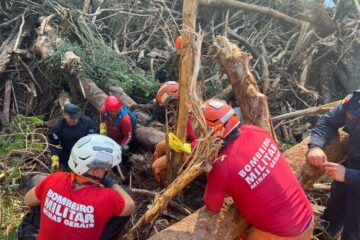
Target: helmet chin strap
(93,177)
(232,136)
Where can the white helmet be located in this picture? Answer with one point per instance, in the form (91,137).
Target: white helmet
(94,151)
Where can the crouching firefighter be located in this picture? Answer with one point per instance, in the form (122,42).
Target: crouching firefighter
(252,170)
(84,203)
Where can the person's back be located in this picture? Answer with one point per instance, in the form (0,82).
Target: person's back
(69,213)
(84,203)
(266,192)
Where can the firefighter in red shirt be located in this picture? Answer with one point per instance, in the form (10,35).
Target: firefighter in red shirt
(115,122)
(167,96)
(83,204)
(252,170)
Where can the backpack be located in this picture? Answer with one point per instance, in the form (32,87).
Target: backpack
(123,112)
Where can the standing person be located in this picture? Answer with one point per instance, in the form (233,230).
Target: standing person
(66,132)
(167,97)
(84,204)
(342,208)
(254,173)
(116,122)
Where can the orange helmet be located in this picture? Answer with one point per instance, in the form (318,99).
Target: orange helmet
(218,114)
(112,103)
(178,42)
(167,92)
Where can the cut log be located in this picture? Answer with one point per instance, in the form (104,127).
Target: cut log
(206,225)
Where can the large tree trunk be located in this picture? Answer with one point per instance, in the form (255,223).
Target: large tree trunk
(186,71)
(235,64)
(204,224)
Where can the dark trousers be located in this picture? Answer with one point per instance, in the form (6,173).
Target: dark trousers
(343,209)
(30,224)
(64,159)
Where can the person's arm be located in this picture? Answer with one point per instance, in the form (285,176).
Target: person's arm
(33,196)
(54,138)
(129,205)
(216,186)
(328,125)
(126,128)
(30,198)
(92,128)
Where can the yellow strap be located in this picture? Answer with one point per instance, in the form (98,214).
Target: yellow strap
(102,128)
(177,145)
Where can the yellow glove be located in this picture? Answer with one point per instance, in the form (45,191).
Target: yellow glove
(102,128)
(177,145)
(54,161)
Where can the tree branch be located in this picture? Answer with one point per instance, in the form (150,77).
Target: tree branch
(250,7)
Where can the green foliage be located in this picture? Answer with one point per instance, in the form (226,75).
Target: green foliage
(20,144)
(10,216)
(213,88)
(20,128)
(286,143)
(101,64)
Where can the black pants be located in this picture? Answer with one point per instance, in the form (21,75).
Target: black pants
(343,208)
(64,159)
(30,224)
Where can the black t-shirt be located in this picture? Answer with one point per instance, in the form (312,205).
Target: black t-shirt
(67,136)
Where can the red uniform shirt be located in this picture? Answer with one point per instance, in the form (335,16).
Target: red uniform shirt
(74,214)
(121,134)
(266,192)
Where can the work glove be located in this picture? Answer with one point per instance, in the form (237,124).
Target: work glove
(108,181)
(124,148)
(54,162)
(102,128)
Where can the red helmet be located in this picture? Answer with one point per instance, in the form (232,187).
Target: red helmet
(221,116)
(167,92)
(178,42)
(112,103)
